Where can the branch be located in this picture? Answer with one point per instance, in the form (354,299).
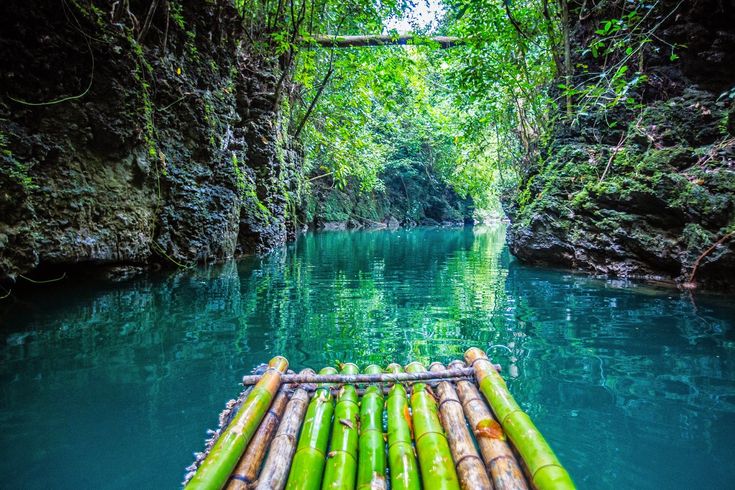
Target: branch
(314,101)
(148,21)
(381,40)
(514,22)
(690,284)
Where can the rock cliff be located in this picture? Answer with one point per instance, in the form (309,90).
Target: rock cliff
(642,190)
(135,133)
(409,198)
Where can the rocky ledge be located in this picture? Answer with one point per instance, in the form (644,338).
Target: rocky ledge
(647,191)
(668,196)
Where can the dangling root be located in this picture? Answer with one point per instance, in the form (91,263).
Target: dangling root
(690,284)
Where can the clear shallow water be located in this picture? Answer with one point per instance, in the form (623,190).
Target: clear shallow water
(113,386)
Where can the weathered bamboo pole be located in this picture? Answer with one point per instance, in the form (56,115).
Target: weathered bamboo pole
(470,469)
(545,469)
(247,469)
(498,457)
(341,468)
(371,463)
(275,469)
(226,452)
(404,471)
(308,462)
(367,377)
(435,457)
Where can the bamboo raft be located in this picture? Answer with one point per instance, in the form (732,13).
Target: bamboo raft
(445,428)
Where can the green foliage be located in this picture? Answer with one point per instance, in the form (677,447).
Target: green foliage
(177,15)
(476,116)
(12,168)
(142,70)
(390,112)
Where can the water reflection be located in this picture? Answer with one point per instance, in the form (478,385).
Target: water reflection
(112,386)
(637,382)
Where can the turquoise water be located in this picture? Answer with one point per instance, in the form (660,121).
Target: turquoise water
(113,386)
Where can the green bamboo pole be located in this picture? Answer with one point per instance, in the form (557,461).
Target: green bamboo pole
(341,468)
(308,462)
(226,452)
(404,471)
(371,464)
(545,470)
(435,457)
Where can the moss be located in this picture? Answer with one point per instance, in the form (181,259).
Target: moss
(694,237)
(716,180)
(250,200)
(657,159)
(209,119)
(336,207)
(15,170)
(238,173)
(143,68)
(697,200)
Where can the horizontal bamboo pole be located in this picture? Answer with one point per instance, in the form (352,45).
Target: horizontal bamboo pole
(470,469)
(249,465)
(499,459)
(226,452)
(546,471)
(385,389)
(282,448)
(368,378)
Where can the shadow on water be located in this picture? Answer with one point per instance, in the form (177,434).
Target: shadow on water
(112,386)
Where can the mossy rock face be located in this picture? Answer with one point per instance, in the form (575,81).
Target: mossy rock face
(175,154)
(407,202)
(667,197)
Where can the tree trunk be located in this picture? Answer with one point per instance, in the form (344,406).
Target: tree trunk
(381,40)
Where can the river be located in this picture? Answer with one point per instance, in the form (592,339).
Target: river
(113,385)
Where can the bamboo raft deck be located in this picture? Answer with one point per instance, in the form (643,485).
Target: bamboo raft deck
(445,428)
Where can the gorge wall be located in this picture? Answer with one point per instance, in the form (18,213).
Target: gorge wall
(137,133)
(412,197)
(642,191)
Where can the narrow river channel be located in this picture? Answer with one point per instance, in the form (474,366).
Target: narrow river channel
(113,385)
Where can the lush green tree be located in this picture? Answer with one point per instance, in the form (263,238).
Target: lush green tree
(472,116)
